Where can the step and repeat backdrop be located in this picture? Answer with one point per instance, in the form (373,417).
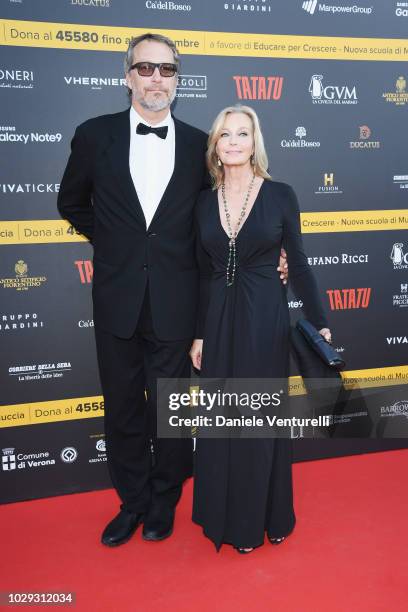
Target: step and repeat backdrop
(329,82)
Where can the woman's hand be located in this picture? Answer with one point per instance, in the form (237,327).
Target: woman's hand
(196,352)
(326,333)
(283,266)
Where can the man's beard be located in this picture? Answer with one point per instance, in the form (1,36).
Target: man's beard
(157,104)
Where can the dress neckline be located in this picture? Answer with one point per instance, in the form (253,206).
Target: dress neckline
(247,217)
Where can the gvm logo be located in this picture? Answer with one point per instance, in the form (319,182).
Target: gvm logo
(258,87)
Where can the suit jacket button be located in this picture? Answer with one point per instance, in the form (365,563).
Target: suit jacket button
(151,234)
(144,266)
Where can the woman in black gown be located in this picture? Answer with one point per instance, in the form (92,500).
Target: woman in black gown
(243,487)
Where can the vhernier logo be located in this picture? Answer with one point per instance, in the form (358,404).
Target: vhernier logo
(94,82)
(398,257)
(258,87)
(22,282)
(346,299)
(300,143)
(331,94)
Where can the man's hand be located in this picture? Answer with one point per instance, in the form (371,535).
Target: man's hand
(326,333)
(283,266)
(196,352)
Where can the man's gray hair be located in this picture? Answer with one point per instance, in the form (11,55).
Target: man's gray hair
(149,36)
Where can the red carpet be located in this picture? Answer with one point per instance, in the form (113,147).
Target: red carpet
(347,553)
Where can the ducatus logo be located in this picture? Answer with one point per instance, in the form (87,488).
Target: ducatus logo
(346,299)
(258,87)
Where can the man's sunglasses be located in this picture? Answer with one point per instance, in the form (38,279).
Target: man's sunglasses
(146,69)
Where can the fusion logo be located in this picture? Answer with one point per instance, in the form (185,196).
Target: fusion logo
(347,299)
(16,79)
(310,6)
(329,185)
(8,134)
(22,282)
(249,6)
(300,143)
(191,86)
(398,257)
(364,141)
(258,87)
(399,97)
(94,82)
(401,300)
(331,94)
(401,9)
(401,180)
(8,460)
(166,6)
(85,269)
(397,340)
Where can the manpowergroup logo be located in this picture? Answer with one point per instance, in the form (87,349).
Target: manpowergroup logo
(399,257)
(258,87)
(8,133)
(401,9)
(16,78)
(22,281)
(300,141)
(191,86)
(347,299)
(249,6)
(399,97)
(310,7)
(329,185)
(18,322)
(40,371)
(365,141)
(94,82)
(331,94)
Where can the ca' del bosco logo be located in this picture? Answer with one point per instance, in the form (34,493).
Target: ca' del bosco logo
(346,299)
(258,87)
(22,281)
(331,94)
(399,97)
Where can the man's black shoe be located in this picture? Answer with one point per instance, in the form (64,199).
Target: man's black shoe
(158,525)
(121,528)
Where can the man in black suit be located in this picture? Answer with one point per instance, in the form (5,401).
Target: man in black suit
(130,186)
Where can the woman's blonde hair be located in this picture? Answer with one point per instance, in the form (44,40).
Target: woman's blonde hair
(260,158)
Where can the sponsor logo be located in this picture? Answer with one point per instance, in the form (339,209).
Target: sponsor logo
(85,323)
(300,142)
(401,300)
(258,87)
(310,7)
(249,6)
(13,188)
(191,86)
(329,185)
(397,340)
(399,97)
(20,461)
(21,281)
(398,257)
(294,304)
(397,409)
(85,270)
(167,6)
(69,454)
(343,258)
(364,141)
(347,299)
(91,3)
(40,371)
(20,321)
(100,446)
(401,180)
(401,9)
(8,134)
(16,79)
(94,82)
(331,94)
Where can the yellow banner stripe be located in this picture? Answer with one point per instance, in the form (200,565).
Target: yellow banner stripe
(190,42)
(91,407)
(38,232)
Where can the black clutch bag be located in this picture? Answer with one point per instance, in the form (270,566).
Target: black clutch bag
(325,351)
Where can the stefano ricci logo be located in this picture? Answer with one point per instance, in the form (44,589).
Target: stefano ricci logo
(249,6)
(300,141)
(331,94)
(312,6)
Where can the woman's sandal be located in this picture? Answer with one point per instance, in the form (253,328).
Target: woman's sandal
(276,540)
(243,551)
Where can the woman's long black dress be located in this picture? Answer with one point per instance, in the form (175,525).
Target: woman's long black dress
(243,487)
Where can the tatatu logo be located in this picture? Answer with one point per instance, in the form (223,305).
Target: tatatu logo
(364,141)
(347,299)
(400,300)
(331,94)
(399,97)
(8,134)
(16,79)
(85,270)
(398,257)
(21,281)
(401,9)
(300,142)
(258,87)
(401,180)
(8,460)
(191,86)
(249,6)
(310,6)
(94,82)
(329,185)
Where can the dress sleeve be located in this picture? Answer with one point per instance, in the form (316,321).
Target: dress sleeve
(301,276)
(204,266)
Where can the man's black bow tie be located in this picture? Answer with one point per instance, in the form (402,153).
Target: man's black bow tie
(143,129)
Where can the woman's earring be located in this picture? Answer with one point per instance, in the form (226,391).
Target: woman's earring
(219,162)
(253,159)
